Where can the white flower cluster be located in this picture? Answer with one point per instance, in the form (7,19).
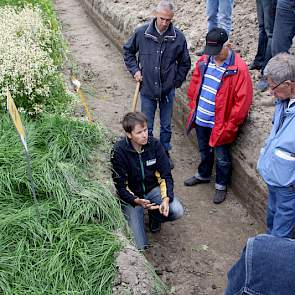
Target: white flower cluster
(26,67)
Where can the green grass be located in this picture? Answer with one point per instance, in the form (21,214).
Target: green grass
(71,249)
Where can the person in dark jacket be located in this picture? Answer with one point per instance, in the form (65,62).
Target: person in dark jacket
(143,180)
(162,65)
(220,94)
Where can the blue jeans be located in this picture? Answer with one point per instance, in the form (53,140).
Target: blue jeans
(219,14)
(266,267)
(135,216)
(266,10)
(281,211)
(149,106)
(223,159)
(284,28)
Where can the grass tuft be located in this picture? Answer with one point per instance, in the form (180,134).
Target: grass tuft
(71,251)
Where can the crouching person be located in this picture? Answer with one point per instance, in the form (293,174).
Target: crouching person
(142,177)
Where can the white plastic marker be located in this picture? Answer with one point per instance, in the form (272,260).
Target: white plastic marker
(14,114)
(77,85)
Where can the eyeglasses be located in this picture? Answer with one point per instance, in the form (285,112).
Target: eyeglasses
(273,88)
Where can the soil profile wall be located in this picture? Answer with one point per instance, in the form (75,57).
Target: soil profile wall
(118,24)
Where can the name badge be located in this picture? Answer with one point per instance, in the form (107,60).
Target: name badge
(151,162)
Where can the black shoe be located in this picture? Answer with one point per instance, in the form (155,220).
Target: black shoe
(219,196)
(194,180)
(170,160)
(154,225)
(254,66)
(262,85)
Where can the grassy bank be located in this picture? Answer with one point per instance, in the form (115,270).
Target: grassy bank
(70,250)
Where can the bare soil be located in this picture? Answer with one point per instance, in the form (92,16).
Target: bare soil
(191,255)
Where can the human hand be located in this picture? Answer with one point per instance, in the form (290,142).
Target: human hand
(137,76)
(164,207)
(146,204)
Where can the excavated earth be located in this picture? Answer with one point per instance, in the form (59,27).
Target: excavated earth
(191,255)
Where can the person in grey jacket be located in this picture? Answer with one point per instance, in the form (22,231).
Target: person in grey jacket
(161,66)
(276,163)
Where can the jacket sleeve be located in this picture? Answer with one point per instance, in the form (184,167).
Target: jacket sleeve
(194,85)
(120,177)
(183,64)
(130,49)
(163,167)
(242,101)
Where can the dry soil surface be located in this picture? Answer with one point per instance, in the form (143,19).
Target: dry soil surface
(191,255)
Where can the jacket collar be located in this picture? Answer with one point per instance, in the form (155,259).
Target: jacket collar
(231,61)
(151,32)
(285,105)
(232,69)
(128,146)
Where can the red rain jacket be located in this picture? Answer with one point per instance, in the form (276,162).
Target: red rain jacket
(232,101)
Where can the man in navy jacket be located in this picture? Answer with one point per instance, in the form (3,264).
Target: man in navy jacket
(162,65)
(142,177)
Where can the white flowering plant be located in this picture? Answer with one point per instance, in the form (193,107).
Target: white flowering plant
(27,67)
(56,44)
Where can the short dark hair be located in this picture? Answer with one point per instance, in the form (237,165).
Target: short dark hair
(131,119)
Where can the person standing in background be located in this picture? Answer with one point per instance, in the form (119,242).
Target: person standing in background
(162,65)
(219,14)
(284,27)
(266,10)
(220,94)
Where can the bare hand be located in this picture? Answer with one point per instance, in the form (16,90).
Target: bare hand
(164,207)
(137,76)
(146,204)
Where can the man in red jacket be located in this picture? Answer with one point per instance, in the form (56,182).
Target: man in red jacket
(220,94)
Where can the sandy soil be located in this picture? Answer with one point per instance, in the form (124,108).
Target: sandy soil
(191,255)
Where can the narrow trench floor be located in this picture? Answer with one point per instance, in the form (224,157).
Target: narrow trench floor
(191,255)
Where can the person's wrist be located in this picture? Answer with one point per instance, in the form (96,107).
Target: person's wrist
(136,201)
(165,199)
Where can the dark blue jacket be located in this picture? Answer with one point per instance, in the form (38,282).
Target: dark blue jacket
(164,61)
(136,174)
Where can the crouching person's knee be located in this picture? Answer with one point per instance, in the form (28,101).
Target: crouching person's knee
(176,209)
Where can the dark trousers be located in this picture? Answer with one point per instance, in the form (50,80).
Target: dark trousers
(223,158)
(266,10)
(284,28)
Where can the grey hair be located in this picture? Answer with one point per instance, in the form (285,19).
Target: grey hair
(164,5)
(281,68)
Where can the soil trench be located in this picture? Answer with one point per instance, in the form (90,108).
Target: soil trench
(191,255)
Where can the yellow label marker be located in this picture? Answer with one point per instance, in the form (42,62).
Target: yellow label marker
(16,119)
(78,89)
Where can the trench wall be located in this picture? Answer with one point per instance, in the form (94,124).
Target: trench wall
(118,25)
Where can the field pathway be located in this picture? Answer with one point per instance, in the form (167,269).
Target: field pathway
(192,255)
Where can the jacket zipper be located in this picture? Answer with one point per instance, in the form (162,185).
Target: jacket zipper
(142,173)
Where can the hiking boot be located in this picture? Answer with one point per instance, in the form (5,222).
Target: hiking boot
(170,160)
(262,85)
(194,180)
(219,196)
(154,225)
